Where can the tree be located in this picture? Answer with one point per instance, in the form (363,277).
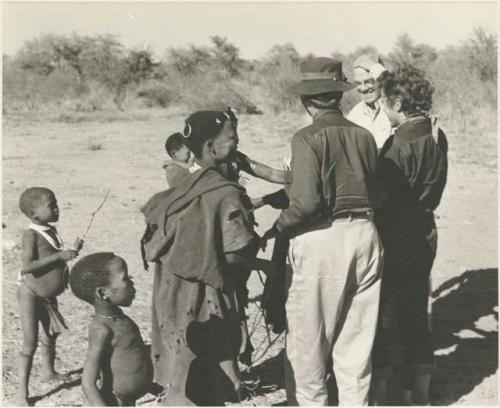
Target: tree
(222,58)
(481,51)
(189,60)
(418,55)
(282,54)
(279,69)
(140,65)
(226,56)
(45,54)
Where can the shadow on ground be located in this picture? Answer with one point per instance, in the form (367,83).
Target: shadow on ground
(467,352)
(465,336)
(64,386)
(269,375)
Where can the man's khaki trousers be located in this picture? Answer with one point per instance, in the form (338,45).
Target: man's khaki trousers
(332,309)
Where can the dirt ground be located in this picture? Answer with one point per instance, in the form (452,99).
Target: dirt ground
(81,160)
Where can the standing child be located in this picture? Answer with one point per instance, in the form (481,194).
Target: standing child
(116,348)
(43,277)
(182,159)
(202,241)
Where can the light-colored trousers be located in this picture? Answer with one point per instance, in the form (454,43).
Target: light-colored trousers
(332,310)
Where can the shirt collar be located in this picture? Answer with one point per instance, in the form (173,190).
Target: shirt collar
(321,112)
(372,113)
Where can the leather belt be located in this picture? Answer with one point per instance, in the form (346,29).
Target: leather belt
(367,215)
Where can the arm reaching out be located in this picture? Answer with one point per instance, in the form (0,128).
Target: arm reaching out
(246,257)
(99,340)
(262,171)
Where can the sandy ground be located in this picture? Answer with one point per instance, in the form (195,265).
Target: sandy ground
(81,160)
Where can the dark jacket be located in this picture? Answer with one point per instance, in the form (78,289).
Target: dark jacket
(333,170)
(413,169)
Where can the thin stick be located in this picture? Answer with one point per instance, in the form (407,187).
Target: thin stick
(95,212)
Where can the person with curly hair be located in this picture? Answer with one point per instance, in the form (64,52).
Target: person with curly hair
(411,178)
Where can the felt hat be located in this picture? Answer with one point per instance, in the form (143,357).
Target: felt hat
(321,75)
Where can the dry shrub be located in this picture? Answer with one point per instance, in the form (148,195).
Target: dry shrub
(104,76)
(157,94)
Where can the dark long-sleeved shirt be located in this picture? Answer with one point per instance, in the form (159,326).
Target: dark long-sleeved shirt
(413,167)
(333,170)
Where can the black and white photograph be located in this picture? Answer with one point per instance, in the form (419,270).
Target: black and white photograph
(249,203)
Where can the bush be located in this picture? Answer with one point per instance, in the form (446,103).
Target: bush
(97,73)
(157,95)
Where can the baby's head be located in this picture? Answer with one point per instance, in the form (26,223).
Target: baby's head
(39,204)
(176,148)
(102,276)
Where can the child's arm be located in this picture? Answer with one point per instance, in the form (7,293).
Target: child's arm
(262,171)
(99,340)
(31,265)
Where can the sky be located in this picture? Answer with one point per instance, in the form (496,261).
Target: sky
(320,28)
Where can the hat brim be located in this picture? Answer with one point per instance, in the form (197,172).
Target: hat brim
(319,86)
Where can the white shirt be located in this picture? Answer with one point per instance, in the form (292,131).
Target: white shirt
(375,121)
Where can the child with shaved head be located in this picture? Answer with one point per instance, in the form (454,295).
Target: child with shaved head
(116,348)
(42,278)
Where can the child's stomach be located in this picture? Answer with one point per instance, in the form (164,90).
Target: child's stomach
(132,371)
(48,282)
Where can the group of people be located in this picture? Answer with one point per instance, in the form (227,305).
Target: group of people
(356,224)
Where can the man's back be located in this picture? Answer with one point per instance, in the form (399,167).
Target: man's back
(333,169)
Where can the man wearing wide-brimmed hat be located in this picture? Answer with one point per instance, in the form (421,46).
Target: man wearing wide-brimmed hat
(335,252)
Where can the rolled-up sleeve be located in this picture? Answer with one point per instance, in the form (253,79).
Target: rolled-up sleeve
(305,190)
(236,228)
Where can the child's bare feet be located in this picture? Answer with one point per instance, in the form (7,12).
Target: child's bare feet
(53,377)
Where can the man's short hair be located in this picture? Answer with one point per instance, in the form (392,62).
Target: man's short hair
(329,100)
(90,273)
(367,61)
(31,197)
(173,143)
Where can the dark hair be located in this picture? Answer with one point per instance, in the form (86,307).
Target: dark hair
(222,107)
(328,100)
(174,142)
(411,85)
(90,273)
(202,126)
(31,197)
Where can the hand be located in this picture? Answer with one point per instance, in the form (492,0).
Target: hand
(78,244)
(278,199)
(68,255)
(243,162)
(269,234)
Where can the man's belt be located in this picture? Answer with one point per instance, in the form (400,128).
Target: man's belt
(367,215)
